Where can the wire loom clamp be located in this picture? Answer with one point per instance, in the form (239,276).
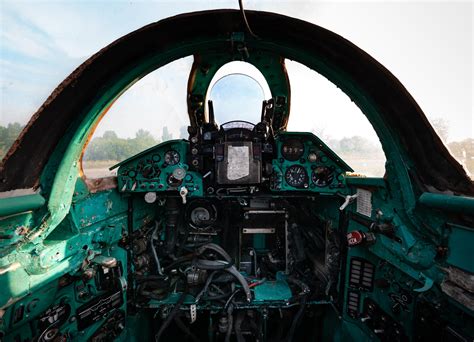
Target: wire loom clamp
(193,313)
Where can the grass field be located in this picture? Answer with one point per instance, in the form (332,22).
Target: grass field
(98,168)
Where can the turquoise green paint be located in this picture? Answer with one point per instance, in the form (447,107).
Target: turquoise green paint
(365,181)
(259,241)
(138,183)
(75,218)
(460,248)
(67,171)
(272,291)
(449,203)
(19,204)
(326,158)
(269,64)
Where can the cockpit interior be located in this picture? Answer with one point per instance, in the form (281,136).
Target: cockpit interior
(243,231)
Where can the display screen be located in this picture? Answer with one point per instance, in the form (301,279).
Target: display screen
(238,162)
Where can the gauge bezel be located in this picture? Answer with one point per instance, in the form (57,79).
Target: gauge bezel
(330,177)
(304,183)
(292,142)
(174,162)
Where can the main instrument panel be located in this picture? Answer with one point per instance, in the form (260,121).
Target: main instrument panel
(304,163)
(160,168)
(239,157)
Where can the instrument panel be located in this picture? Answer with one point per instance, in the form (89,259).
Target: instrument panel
(305,163)
(290,162)
(158,169)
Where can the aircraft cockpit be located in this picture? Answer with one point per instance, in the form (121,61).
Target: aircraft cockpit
(239,231)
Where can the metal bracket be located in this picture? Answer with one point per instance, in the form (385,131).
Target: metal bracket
(193,312)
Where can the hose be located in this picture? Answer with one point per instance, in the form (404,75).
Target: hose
(178,261)
(230,322)
(296,320)
(171,315)
(238,327)
(153,249)
(215,248)
(156,289)
(304,288)
(245,286)
(185,329)
(218,297)
(171,222)
(206,286)
(213,265)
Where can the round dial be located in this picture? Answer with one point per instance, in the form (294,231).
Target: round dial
(296,176)
(172,157)
(149,171)
(322,176)
(292,149)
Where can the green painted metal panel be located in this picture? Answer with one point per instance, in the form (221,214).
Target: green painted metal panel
(450,203)
(19,204)
(460,247)
(272,291)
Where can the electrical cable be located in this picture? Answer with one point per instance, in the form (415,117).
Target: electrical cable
(227,303)
(178,261)
(230,322)
(155,255)
(185,329)
(206,286)
(244,17)
(296,320)
(171,315)
(238,327)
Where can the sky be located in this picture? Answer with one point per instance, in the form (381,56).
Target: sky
(427,45)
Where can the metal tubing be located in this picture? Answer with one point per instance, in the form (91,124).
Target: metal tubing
(451,203)
(20,204)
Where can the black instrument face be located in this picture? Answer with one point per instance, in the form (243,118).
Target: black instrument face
(292,149)
(322,176)
(296,176)
(150,171)
(172,157)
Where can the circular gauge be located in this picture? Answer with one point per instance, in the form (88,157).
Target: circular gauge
(150,171)
(322,176)
(296,176)
(172,157)
(292,149)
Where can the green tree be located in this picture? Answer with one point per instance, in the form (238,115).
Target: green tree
(356,144)
(110,147)
(8,135)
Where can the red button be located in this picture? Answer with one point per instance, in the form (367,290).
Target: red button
(354,238)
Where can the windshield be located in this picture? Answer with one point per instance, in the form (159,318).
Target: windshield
(42,42)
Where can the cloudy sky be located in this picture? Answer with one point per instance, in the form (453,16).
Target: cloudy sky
(427,45)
